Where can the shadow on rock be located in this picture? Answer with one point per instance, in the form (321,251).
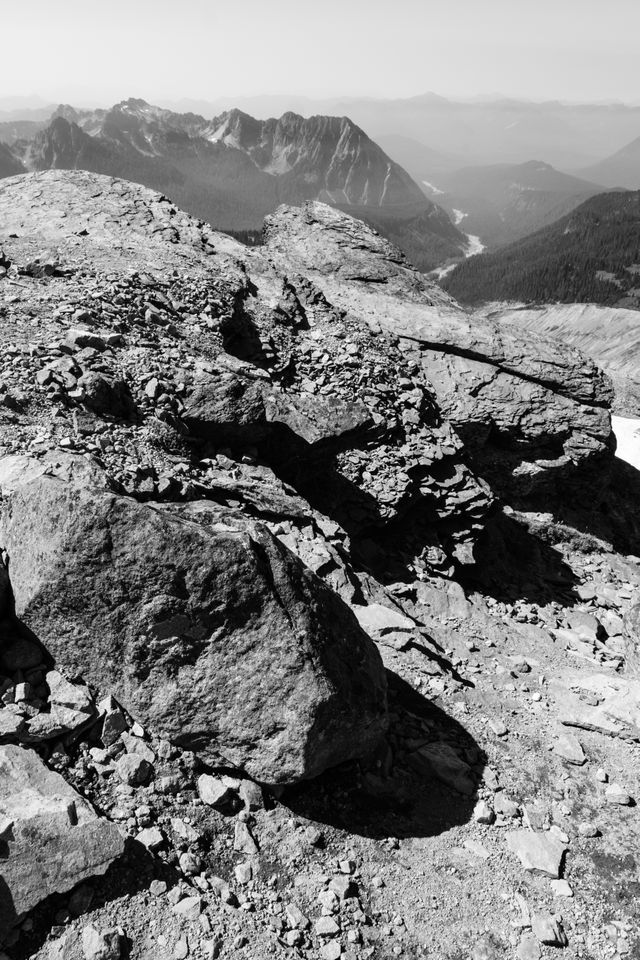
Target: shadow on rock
(422,782)
(130,874)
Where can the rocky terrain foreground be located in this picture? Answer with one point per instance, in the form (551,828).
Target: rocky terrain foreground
(318,602)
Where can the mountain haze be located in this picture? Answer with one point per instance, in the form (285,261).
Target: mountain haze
(622,169)
(233,170)
(504,202)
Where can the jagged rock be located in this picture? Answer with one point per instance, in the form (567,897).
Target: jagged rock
(531,411)
(227,407)
(55,841)
(215,635)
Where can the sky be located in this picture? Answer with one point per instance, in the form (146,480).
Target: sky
(97,52)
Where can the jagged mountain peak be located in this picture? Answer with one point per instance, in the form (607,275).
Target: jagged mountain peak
(233,170)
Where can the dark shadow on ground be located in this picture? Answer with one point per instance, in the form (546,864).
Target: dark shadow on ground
(401,792)
(513,562)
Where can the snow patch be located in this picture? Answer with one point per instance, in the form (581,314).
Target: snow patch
(627,433)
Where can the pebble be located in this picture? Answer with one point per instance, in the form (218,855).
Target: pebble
(617,795)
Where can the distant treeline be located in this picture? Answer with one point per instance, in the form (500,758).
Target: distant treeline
(593,254)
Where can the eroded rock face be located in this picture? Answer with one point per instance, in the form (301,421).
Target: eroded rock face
(199,622)
(532,412)
(50,838)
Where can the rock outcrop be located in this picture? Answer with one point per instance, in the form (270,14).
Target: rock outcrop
(50,837)
(532,412)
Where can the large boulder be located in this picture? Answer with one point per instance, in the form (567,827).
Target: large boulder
(50,838)
(199,621)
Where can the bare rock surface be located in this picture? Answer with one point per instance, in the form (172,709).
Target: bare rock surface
(536,407)
(51,838)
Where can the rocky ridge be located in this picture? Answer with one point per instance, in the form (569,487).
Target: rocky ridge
(236,484)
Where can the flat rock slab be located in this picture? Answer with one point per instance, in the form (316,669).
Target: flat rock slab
(537,852)
(52,838)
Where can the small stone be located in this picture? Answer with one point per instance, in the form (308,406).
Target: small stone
(133,770)
(529,948)
(537,852)
(331,951)
(327,927)
(101,946)
(190,864)
(151,838)
(499,728)
(295,917)
(505,807)
(181,949)
(569,748)
(157,888)
(217,792)
(342,887)
(560,888)
(243,872)
(548,930)
(243,841)
(616,794)
(602,775)
(483,813)
(588,830)
(188,909)
(251,795)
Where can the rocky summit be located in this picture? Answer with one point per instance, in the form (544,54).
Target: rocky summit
(318,601)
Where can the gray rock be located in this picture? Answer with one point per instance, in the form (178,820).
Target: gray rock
(97,945)
(537,852)
(55,839)
(133,769)
(569,748)
(548,930)
(217,792)
(245,653)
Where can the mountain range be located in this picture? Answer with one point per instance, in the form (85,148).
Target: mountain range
(233,170)
(477,132)
(591,255)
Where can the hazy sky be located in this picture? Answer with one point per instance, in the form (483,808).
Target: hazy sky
(106,50)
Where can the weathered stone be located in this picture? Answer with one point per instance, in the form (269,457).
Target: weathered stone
(548,930)
(97,945)
(55,839)
(170,648)
(133,769)
(570,749)
(537,852)
(219,792)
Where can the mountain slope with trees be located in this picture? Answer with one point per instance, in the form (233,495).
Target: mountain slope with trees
(591,255)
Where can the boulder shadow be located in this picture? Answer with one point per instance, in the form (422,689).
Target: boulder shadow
(422,781)
(517,562)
